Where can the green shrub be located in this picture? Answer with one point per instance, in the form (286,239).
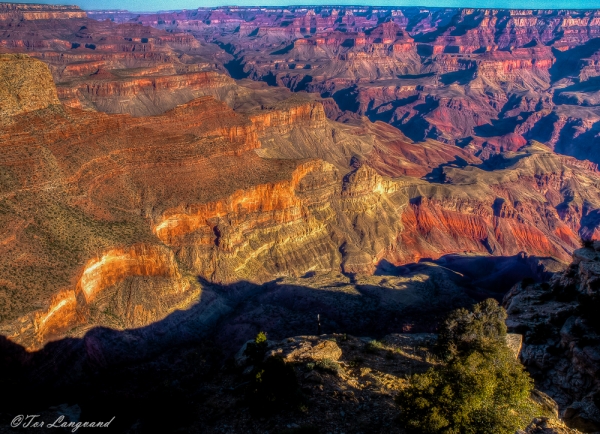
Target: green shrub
(464,332)
(481,389)
(256,350)
(261,338)
(328,365)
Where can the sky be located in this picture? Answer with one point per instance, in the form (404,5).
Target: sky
(156,5)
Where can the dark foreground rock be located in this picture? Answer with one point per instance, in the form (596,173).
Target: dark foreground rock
(561,326)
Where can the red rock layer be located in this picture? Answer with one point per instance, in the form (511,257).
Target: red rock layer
(108,208)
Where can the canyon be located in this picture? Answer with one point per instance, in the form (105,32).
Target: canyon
(174,177)
(487,80)
(248,195)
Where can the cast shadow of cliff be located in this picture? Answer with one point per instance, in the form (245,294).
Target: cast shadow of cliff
(154,370)
(567,62)
(493,276)
(352,306)
(437,175)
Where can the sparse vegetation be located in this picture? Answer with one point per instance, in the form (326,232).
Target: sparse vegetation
(464,332)
(328,365)
(62,239)
(256,350)
(374,346)
(261,338)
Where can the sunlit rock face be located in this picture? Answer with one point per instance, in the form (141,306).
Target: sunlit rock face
(260,232)
(103,283)
(110,217)
(18,95)
(284,116)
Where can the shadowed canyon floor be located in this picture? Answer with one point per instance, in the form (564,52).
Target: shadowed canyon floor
(176,182)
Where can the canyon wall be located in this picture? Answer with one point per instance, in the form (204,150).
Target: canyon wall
(32,12)
(120,220)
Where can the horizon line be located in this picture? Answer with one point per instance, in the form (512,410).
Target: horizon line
(321,6)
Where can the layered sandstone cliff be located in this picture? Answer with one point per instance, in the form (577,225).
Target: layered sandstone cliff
(487,79)
(145,95)
(111,218)
(481,77)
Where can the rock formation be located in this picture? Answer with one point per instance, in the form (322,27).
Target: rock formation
(489,79)
(36,12)
(26,86)
(561,347)
(486,80)
(246,195)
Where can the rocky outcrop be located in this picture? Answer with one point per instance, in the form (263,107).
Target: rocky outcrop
(232,239)
(26,85)
(288,114)
(561,347)
(99,283)
(547,426)
(300,349)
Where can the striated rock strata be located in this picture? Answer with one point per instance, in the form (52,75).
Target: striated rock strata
(118,221)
